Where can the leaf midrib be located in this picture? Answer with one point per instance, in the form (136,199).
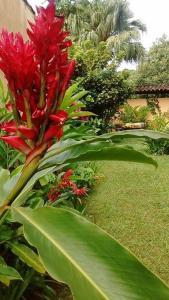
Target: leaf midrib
(63,252)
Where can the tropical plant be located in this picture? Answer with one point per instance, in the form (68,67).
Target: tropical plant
(67,244)
(108,21)
(135,114)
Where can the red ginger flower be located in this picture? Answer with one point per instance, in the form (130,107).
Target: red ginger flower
(17,61)
(80,191)
(54,193)
(38,73)
(48,38)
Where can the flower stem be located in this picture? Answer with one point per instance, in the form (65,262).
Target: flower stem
(28,113)
(28,117)
(23,179)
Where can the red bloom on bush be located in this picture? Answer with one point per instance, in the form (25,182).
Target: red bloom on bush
(38,73)
(54,193)
(80,191)
(67,174)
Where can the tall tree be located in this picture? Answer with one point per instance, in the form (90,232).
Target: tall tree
(154,67)
(110,21)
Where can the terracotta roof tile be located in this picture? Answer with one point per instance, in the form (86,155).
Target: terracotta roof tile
(152,89)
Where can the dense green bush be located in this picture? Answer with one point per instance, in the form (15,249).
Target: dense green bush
(109,91)
(96,70)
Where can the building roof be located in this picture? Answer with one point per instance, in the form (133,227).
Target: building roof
(30,7)
(153,89)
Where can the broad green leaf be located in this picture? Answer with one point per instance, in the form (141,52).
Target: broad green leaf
(141,133)
(6,233)
(28,256)
(4,176)
(7,184)
(9,272)
(36,202)
(90,261)
(68,150)
(17,170)
(69,93)
(3,278)
(115,137)
(75,107)
(68,101)
(81,114)
(103,150)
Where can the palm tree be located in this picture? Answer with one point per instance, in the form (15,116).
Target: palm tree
(105,20)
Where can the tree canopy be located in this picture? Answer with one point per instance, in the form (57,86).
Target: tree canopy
(110,21)
(154,68)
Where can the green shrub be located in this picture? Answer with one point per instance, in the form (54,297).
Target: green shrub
(109,89)
(134,114)
(160,147)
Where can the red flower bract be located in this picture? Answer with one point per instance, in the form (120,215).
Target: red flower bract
(48,38)
(17,61)
(38,73)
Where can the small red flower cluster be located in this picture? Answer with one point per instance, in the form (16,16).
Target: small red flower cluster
(38,73)
(54,193)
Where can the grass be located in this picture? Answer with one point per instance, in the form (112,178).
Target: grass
(131,202)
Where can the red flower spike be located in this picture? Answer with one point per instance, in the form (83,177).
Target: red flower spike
(53,195)
(8,127)
(53,131)
(29,133)
(60,117)
(38,73)
(17,143)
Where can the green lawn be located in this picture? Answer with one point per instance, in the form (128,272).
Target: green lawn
(131,202)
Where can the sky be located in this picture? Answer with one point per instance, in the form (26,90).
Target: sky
(155,15)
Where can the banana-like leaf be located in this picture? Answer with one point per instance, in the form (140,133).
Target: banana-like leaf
(115,137)
(28,256)
(84,150)
(4,279)
(7,183)
(90,261)
(141,133)
(8,273)
(68,149)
